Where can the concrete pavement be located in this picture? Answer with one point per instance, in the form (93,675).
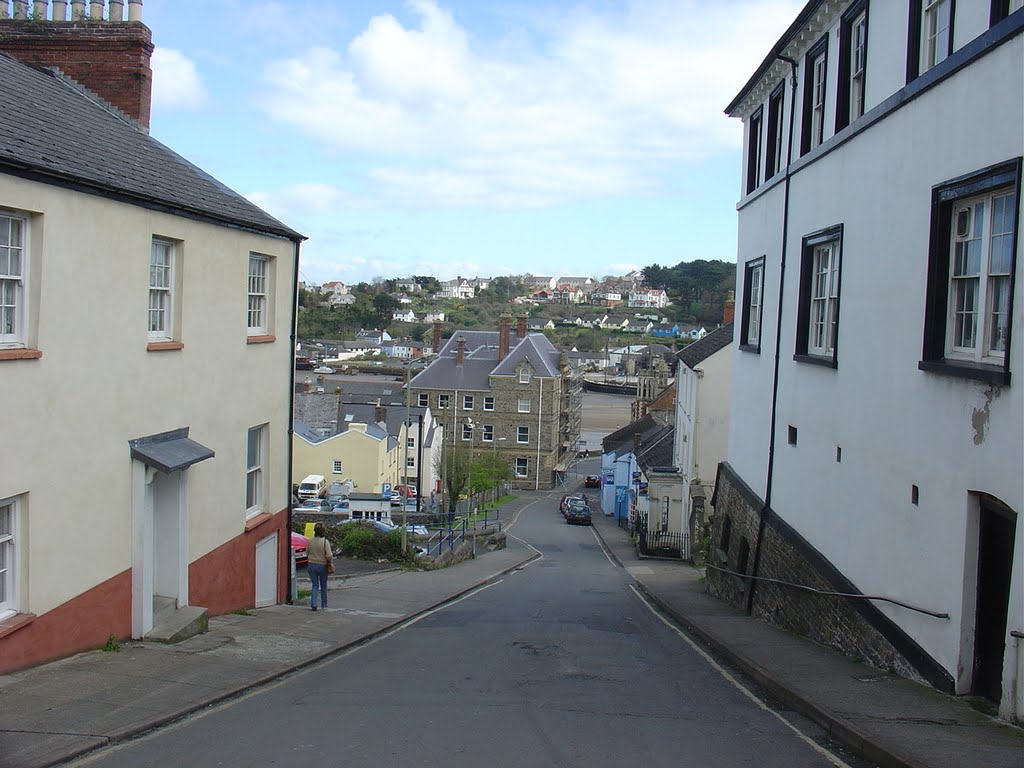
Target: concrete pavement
(55,712)
(887,719)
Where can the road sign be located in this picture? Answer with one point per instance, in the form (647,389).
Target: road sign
(385,490)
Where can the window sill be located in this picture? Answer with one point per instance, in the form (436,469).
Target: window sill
(14,623)
(20,354)
(164,346)
(257,520)
(991,374)
(260,339)
(755,348)
(825,362)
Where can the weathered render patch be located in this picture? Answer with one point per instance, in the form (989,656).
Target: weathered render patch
(980,416)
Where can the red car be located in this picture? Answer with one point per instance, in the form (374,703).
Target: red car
(299,543)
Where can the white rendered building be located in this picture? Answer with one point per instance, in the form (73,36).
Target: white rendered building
(877,426)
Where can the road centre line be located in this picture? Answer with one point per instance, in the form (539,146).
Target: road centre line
(836,761)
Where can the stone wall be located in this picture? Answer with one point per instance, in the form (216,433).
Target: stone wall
(855,627)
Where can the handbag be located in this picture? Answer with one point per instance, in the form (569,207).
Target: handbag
(329,560)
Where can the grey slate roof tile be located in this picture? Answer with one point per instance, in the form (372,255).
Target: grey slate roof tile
(694,354)
(52,131)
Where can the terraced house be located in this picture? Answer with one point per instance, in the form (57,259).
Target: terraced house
(131,283)
(875,434)
(513,395)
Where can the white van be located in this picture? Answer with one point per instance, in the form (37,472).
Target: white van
(312,487)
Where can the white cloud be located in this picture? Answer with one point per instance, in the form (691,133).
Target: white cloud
(581,106)
(303,199)
(176,83)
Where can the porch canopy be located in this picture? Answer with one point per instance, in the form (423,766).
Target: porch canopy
(169,451)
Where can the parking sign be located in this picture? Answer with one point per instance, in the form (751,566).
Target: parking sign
(385,490)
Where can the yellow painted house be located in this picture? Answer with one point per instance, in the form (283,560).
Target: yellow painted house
(356,447)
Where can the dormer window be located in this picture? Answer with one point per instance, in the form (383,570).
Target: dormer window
(524,375)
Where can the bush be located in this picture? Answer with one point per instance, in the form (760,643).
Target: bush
(365,542)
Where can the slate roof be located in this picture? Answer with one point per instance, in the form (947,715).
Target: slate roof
(481,361)
(694,354)
(651,428)
(659,452)
(54,131)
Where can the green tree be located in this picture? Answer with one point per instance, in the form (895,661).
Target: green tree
(486,471)
(453,464)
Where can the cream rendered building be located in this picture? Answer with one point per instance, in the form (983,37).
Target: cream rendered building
(144,340)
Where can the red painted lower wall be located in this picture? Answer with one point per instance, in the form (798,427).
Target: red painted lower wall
(80,624)
(224,580)
(221,581)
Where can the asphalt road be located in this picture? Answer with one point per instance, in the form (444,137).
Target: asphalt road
(558,664)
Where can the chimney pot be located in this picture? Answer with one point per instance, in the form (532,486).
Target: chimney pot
(96,10)
(521,326)
(134,10)
(116,12)
(504,329)
(437,336)
(39,10)
(77,10)
(460,353)
(60,10)
(21,9)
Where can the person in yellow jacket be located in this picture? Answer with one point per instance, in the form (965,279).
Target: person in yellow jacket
(320,557)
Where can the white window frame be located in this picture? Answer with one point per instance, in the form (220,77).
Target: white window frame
(10,510)
(337,467)
(254,474)
(160,320)
(819,75)
(488,403)
(522,467)
(258,287)
(410,462)
(423,400)
(858,63)
(824,299)
(935,38)
(467,432)
(13,279)
(410,442)
(979,290)
(522,434)
(753,308)
(467,402)
(523,406)
(487,434)
(443,401)
(524,375)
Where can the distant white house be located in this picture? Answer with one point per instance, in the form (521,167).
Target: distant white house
(648,297)
(405,316)
(433,317)
(459,288)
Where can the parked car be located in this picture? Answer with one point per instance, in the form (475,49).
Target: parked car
(323,369)
(396,499)
(409,491)
(572,500)
(577,515)
(314,505)
(299,544)
(592,481)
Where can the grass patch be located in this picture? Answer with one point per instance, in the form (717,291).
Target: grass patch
(112,646)
(302,594)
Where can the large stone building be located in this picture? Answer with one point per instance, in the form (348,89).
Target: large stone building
(511,394)
(132,283)
(875,435)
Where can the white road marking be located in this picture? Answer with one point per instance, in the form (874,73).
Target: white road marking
(738,685)
(604,549)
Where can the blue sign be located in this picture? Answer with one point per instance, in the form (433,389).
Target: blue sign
(385,490)
(637,475)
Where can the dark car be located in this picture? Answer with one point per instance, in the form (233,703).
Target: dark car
(592,481)
(571,499)
(574,503)
(577,515)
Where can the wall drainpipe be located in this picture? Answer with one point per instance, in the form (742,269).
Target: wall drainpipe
(291,418)
(751,582)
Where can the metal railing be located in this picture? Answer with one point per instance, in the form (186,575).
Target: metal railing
(663,543)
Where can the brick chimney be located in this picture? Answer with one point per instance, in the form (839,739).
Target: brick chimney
(109,56)
(437,336)
(460,352)
(504,328)
(380,413)
(637,440)
(521,326)
(729,310)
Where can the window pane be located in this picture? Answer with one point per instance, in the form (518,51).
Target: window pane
(5,520)
(1002,236)
(999,298)
(252,480)
(965,301)
(253,448)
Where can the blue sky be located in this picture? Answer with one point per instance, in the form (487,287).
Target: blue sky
(469,137)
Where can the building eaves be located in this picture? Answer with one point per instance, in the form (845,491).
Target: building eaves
(52,133)
(694,354)
(621,440)
(769,60)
